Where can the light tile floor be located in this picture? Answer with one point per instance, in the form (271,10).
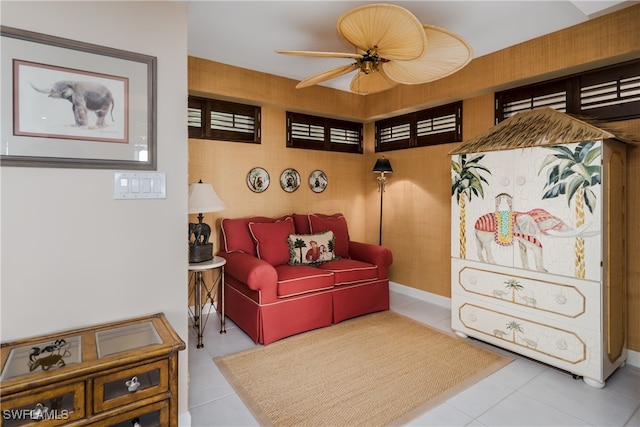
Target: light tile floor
(524,393)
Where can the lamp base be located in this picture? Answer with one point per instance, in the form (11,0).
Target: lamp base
(200,253)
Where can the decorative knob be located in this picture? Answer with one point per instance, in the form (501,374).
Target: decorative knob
(38,412)
(132,384)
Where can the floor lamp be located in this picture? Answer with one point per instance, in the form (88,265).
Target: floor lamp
(382,166)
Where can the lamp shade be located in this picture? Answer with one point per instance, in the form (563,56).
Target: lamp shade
(383,165)
(202,198)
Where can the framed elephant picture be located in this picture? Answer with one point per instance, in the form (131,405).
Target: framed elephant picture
(75,104)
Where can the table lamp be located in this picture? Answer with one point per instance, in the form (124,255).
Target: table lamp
(202,198)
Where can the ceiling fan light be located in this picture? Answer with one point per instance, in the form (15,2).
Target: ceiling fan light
(368,67)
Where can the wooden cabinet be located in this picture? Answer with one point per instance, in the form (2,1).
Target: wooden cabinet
(115,374)
(538,254)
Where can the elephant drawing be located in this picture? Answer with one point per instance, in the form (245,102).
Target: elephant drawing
(504,226)
(201,233)
(84,97)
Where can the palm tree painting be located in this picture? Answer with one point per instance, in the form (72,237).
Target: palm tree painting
(466,182)
(514,326)
(574,174)
(299,244)
(514,286)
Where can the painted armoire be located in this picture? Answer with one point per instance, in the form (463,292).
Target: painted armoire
(538,242)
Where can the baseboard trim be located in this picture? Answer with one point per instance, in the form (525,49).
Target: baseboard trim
(421,295)
(633,357)
(184,419)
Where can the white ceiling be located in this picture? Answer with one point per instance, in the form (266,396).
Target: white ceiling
(247,33)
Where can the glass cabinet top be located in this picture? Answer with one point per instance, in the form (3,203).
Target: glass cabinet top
(42,357)
(124,338)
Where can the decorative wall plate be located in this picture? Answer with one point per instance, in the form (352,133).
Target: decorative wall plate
(258,180)
(290,180)
(318,181)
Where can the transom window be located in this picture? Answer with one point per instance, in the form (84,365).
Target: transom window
(609,93)
(439,125)
(321,133)
(227,121)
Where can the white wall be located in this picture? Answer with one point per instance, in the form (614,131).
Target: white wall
(71,255)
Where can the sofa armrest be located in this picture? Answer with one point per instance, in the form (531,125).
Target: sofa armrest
(254,272)
(373,254)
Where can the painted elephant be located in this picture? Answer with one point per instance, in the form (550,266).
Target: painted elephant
(504,226)
(84,97)
(201,233)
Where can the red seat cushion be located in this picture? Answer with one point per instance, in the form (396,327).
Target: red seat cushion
(300,279)
(349,271)
(271,240)
(336,223)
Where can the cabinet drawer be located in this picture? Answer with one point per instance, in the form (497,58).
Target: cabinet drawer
(119,388)
(49,406)
(566,299)
(573,349)
(154,415)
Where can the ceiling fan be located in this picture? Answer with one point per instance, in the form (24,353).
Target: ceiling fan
(391,47)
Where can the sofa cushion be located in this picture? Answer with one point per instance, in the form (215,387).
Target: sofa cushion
(236,236)
(349,271)
(271,240)
(311,249)
(336,223)
(302,223)
(302,279)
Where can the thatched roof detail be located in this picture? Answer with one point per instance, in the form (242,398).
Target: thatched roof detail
(534,128)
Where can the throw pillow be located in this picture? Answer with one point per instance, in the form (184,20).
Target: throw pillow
(311,249)
(271,240)
(336,223)
(236,236)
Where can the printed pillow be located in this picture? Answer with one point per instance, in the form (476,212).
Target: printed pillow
(336,223)
(311,249)
(271,240)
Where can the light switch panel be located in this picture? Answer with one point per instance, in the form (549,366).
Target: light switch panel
(139,185)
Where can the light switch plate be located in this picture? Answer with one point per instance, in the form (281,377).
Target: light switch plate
(139,185)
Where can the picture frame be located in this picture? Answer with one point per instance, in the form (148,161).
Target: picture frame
(258,180)
(71,104)
(318,181)
(289,180)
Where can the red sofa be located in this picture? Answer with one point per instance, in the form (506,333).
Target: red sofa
(298,272)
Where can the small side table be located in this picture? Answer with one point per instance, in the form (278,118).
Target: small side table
(197,284)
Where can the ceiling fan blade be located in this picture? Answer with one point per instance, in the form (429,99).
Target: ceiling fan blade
(320,54)
(327,75)
(446,53)
(365,84)
(392,30)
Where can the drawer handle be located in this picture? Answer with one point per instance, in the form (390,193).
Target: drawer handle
(133,384)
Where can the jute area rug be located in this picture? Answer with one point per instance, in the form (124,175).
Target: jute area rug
(374,370)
